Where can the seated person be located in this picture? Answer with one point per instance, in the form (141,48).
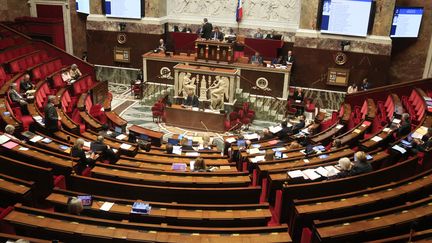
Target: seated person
(279,60)
(200,165)
(104,151)
(345,167)
(297,127)
(271,34)
(298,94)
(337,143)
(144,145)
(352,88)
(66,77)
(186,29)
(206,142)
(230,37)
(269,155)
(74,72)
(26,86)
(169,148)
(105,132)
(284,133)
(290,58)
(191,99)
(184,143)
(17,98)
(266,134)
(427,139)
(161,47)
(165,99)
(361,165)
(78,152)
(217,35)
(259,34)
(256,59)
(404,127)
(9,131)
(74,206)
(294,145)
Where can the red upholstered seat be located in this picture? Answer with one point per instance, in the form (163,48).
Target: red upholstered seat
(157,111)
(6,227)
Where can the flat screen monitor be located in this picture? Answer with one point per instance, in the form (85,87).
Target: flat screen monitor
(346,17)
(189,142)
(278,155)
(173,141)
(123,9)
(82,6)
(406,22)
(86,200)
(241,143)
(118,129)
(143,137)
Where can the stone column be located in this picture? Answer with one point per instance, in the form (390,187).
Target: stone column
(427,73)
(155,8)
(285,92)
(383,17)
(176,83)
(308,14)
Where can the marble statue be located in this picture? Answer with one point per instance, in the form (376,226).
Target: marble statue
(203,88)
(217,92)
(188,84)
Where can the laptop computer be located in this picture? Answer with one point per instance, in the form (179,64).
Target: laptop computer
(86,200)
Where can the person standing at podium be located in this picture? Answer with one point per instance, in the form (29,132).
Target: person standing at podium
(217,35)
(206,30)
(191,99)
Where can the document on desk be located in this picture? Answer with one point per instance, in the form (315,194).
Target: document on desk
(275,129)
(295,173)
(311,174)
(106,206)
(87,144)
(10,145)
(195,154)
(121,137)
(4,139)
(399,148)
(254,151)
(177,150)
(376,139)
(36,138)
(387,130)
(125,146)
(230,140)
(396,121)
(339,126)
(322,171)
(251,136)
(257,159)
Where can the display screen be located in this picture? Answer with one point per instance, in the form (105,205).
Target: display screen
(346,17)
(123,8)
(406,22)
(83,6)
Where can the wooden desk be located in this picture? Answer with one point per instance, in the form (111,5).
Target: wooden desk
(115,120)
(214,50)
(156,137)
(196,120)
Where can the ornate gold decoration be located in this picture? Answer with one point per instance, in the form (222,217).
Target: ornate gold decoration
(341,58)
(121,38)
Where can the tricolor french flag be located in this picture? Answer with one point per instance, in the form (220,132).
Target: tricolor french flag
(239,12)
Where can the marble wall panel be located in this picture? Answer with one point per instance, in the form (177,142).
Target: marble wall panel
(95,7)
(78,23)
(155,8)
(133,27)
(308,16)
(409,55)
(11,9)
(383,17)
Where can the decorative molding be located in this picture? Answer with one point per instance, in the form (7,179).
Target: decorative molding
(427,73)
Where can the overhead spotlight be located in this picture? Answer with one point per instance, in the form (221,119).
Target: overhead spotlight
(344,43)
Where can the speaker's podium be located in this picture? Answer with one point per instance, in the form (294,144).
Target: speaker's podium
(213,50)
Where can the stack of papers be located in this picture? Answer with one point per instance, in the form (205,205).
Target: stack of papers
(106,206)
(254,151)
(87,144)
(272,142)
(275,129)
(177,150)
(36,138)
(257,159)
(251,136)
(396,121)
(46,140)
(311,174)
(322,171)
(295,173)
(278,149)
(230,140)
(196,154)
(339,126)
(376,139)
(399,148)
(357,131)
(141,208)
(121,137)
(387,130)
(256,145)
(125,146)
(4,139)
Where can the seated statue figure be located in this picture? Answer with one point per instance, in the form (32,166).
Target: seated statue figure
(217,93)
(188,84)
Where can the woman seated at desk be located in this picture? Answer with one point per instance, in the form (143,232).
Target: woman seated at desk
(83,161)
(200,165)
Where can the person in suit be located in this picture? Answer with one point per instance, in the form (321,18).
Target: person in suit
(16,98)
(191,99)
(104,151)
(290,58)
(279,60)
(345,169)
(365,84)
(266,134)
(294,145)
(269,155)
(352,88)
(186,29)
(256,59)
(26,84)
(217,35)
(284,133)
(404,127)
(185,144)
(78,152)
(427,139)
(298,94)
(51,115)
(75,206)
(161,47)
(361,165)
(297,127)
(169,148)
(270,35)
(337,143)
(9,132)
(259,34)
(206,29)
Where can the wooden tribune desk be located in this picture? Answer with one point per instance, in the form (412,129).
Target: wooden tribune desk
(214,51)
(183,117)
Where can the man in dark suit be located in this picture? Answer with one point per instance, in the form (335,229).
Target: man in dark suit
(26,84)
(206,29)
(290,58)
(51,115)
(404,128)
(256,59)
(191,100)
(104,151)
(217,35)
(365,84)
(16,98)
(284,133)
(297,127)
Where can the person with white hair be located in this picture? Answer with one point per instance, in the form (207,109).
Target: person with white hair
(77,151)
(345,167)
(74,72)
(75,206)
(9,131)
